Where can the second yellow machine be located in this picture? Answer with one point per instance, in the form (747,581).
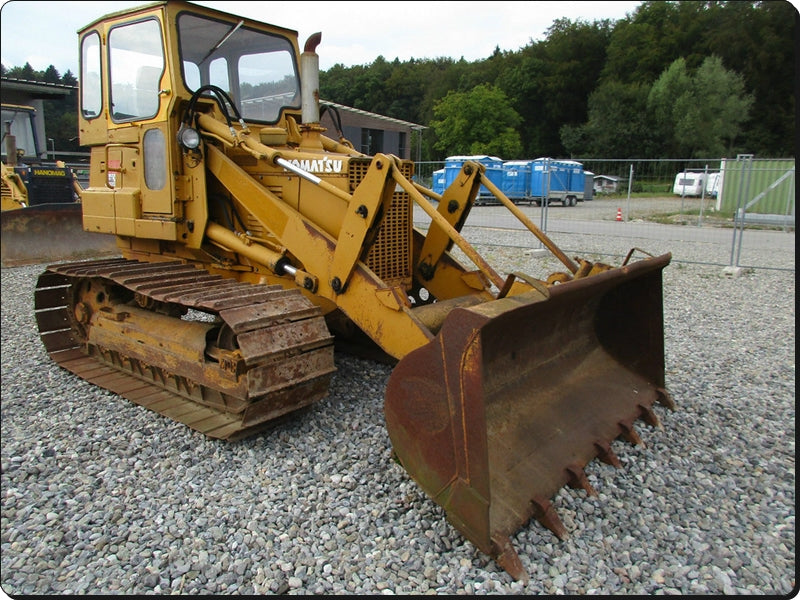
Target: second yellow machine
(250,241)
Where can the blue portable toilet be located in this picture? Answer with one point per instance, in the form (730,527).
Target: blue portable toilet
(439,181)
(539,175)
(494,171)
(577,179)
(559,176)
(452,166)
(557,180)
(517,180)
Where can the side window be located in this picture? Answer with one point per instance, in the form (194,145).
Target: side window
(136,64)
(191,74)
(91,90)
(218,74)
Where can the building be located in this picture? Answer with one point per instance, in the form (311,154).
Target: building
(371,133)
(606,184)
(34,93)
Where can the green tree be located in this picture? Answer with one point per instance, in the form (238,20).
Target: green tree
(755,39)
(758,41)
(665,96)
(404,88)
(719,109)
(656,34)
(547,82)
(480,121)
(574,55)
(560,86)
(617,125)
(523,82)
(700,114)
(69,79)
(51,75)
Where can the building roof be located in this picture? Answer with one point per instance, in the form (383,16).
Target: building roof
(37,89)
(365,113)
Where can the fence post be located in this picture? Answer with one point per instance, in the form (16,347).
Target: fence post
(789,197)
(703,197)
(545,200)
(630,183)
(738,220)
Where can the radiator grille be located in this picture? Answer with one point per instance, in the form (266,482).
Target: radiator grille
(6,191)
(44,189)
(390,255)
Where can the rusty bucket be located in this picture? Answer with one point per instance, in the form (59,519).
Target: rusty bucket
(514,397)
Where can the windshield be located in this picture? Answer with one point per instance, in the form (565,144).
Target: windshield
(257,69)
(18,123)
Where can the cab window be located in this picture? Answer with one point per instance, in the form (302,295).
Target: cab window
(136,64)
(91,87)
(257,69)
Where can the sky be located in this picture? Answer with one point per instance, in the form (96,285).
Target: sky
(44,33)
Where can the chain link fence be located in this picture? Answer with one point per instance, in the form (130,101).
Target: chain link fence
(734,208)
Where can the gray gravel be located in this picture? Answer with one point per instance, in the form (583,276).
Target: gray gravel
(102,496)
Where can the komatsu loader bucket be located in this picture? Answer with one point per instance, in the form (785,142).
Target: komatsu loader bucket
(514,397)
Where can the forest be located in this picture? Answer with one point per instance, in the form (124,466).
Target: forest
(683,79)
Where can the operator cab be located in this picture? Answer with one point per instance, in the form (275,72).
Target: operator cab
(258,69)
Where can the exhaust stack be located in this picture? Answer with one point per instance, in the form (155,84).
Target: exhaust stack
(309,65)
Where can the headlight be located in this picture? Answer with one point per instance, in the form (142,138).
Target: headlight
(188,137)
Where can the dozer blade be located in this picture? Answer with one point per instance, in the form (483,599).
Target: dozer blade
(514,397)
(50,232)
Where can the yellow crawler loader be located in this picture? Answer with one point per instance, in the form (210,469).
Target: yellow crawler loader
(250,241)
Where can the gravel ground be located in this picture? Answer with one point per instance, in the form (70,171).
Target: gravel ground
(102,496)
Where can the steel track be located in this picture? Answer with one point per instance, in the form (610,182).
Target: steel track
(266,353)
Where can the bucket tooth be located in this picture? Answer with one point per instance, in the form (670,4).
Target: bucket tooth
(606,454)
(664,398)
(629,434)
(649,416)
(506,556)
(578,480)
(544,512)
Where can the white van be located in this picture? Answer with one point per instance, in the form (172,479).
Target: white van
(689,184)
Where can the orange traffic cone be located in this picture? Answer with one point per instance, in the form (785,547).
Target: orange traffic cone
(619,214)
